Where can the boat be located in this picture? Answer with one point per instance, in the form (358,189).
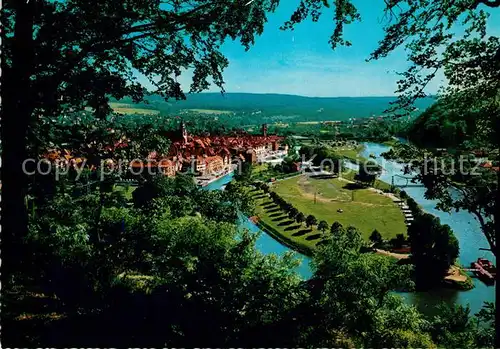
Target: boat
(484,270)
(372,156)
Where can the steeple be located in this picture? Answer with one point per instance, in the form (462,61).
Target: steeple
(183,132)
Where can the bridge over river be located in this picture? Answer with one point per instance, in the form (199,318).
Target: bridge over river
(398,181)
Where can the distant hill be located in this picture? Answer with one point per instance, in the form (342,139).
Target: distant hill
(278,107)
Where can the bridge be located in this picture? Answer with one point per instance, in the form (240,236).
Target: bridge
(408,184)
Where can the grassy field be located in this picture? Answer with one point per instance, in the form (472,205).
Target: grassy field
(127,190)
(362,208)
(349,175)
(352,153)
(130,109)
(391,143)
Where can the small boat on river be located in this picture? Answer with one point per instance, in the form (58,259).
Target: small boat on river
(484,270)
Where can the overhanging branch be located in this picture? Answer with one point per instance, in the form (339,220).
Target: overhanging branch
(489,3)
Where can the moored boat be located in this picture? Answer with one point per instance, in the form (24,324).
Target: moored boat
(484,270)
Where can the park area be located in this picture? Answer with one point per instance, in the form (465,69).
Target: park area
(331,200)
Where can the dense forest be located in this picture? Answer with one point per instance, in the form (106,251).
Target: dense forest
(449,123)
(260,108)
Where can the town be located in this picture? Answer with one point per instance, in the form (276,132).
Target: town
(206,158)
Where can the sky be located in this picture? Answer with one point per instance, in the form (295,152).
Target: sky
(301,62)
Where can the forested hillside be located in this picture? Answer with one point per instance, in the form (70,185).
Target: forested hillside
(277,107)
(449,123)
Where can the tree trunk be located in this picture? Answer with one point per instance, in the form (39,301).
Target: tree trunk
(16,112)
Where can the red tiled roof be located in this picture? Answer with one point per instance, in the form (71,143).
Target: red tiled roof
(141,164)
(166,163)
(212,158)
(200,143)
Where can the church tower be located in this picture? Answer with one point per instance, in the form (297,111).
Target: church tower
(264,130)
(183,132)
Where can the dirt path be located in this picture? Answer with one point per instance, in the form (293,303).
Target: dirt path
(389,195)
(455,275)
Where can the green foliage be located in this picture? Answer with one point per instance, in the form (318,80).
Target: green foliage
(322,155)
(453,327)
(237,193)
(336,228)
(440,127)
(323,225)
(343,273)
(200,280)
(434,249)
(244,172)
(311,220)
(293,213)
(300,218)
(368,173)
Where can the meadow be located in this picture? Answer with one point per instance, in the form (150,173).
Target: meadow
(130,109)
(364,209)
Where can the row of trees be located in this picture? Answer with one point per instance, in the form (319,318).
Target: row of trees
(299,217)
(434,247)
(292,212)
(322,155)
(368,173)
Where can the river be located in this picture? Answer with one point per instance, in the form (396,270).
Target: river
(465,227)
(265,243)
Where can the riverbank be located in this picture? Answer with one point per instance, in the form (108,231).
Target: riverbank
(456,278)
(202,182)
(284,240)
(467,230)
(463,224)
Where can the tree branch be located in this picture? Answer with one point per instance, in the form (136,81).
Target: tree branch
(489,3)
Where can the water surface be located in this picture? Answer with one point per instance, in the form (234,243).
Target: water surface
(464,225)
(466,228)
(265,243)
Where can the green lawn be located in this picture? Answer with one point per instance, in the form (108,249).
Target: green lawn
(352,153)
(126,190)
(210,111)
(123,108)
(368,211)
(291,233)
(349,175)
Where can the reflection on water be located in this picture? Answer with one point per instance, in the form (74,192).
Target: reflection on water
(265,243)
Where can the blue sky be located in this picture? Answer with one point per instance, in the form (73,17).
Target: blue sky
(301,62)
